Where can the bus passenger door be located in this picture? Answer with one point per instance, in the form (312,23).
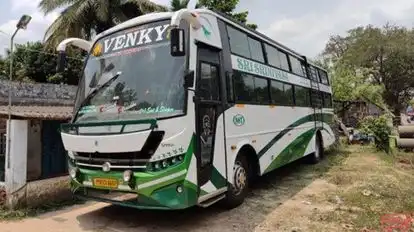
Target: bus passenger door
(210,150)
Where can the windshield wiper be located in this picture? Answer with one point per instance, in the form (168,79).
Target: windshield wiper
(97,89)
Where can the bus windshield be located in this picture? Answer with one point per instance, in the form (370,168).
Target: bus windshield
(131,75)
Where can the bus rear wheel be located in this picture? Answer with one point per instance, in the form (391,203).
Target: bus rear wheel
(237,191)
(318,154)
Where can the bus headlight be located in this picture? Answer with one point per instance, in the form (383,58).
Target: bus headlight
(127,175)
(73,172)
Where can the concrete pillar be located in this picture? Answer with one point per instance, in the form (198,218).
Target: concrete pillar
(34,150)
(16,162)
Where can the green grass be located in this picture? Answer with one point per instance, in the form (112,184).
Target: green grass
(371,184)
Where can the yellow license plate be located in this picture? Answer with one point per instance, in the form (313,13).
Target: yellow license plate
(106,183)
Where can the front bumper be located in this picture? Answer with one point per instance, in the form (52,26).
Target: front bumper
(164,190)
(167,189)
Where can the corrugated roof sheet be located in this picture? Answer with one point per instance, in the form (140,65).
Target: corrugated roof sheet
(39,112)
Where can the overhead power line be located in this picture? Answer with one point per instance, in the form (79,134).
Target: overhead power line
(32,50)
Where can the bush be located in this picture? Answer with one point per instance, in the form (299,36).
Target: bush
(379,128)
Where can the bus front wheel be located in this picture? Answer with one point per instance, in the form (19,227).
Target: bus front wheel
(238,190)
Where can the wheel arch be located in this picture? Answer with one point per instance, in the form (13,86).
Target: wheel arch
(247,150)
(319,134)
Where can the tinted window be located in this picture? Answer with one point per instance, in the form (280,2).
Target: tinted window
(238,42)
(324,77)
(276,58)
(296,66)
(317,98)
(304,70)
(288,93)
(209,84)
(327,103)
(282,94)
(262,90)
(284,61)
(302,96)
(314,74)
(256,50)
(244,87)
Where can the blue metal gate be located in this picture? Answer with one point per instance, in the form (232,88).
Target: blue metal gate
(53,153)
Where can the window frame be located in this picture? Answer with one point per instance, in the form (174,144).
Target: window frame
(265,46)
(292,97)
(248,39)
(236,101)
(217,66)
(326,76)
(308,90)
(268,90)
(301,63)
(327,96)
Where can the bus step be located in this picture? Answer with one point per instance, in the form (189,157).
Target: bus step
(211,201)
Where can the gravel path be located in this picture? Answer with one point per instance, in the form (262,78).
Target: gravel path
(275,194)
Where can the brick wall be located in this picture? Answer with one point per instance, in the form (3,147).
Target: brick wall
(37,94)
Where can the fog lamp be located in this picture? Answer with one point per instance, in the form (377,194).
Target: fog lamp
(73,172)
(127,175)
(180,189)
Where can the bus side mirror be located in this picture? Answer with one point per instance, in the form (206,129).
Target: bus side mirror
(177,42)
(61,62)
(189,79)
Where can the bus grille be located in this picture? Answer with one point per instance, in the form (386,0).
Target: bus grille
(127,160)
(136,160)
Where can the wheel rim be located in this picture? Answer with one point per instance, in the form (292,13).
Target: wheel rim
(239,178)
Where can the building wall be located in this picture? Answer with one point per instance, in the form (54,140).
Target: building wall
(3,141)
(16,172)
(34,150)
(37,93)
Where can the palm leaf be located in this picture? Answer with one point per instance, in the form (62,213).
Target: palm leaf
(147,6)
(48,6)
(81,17)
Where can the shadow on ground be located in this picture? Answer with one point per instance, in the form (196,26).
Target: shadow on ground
(267,194)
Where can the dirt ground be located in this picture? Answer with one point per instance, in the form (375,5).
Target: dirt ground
(330,196)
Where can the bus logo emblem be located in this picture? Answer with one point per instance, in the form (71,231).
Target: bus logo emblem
(238,120)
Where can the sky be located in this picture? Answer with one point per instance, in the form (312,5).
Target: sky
(302,25)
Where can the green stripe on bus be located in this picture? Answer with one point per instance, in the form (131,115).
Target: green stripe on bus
(293,151)
(217,179)
(303,120)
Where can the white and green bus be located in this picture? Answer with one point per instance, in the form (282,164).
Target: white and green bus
(186,108)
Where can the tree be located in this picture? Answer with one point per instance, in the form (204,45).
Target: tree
(374,62)
(83,18)
(178,4)
(227,7)
(32,63)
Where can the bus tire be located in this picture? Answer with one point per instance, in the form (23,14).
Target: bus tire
(237,192)
(318,154)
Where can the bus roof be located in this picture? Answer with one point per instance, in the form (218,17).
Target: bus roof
(135,21)
(258,35)
(165,15)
